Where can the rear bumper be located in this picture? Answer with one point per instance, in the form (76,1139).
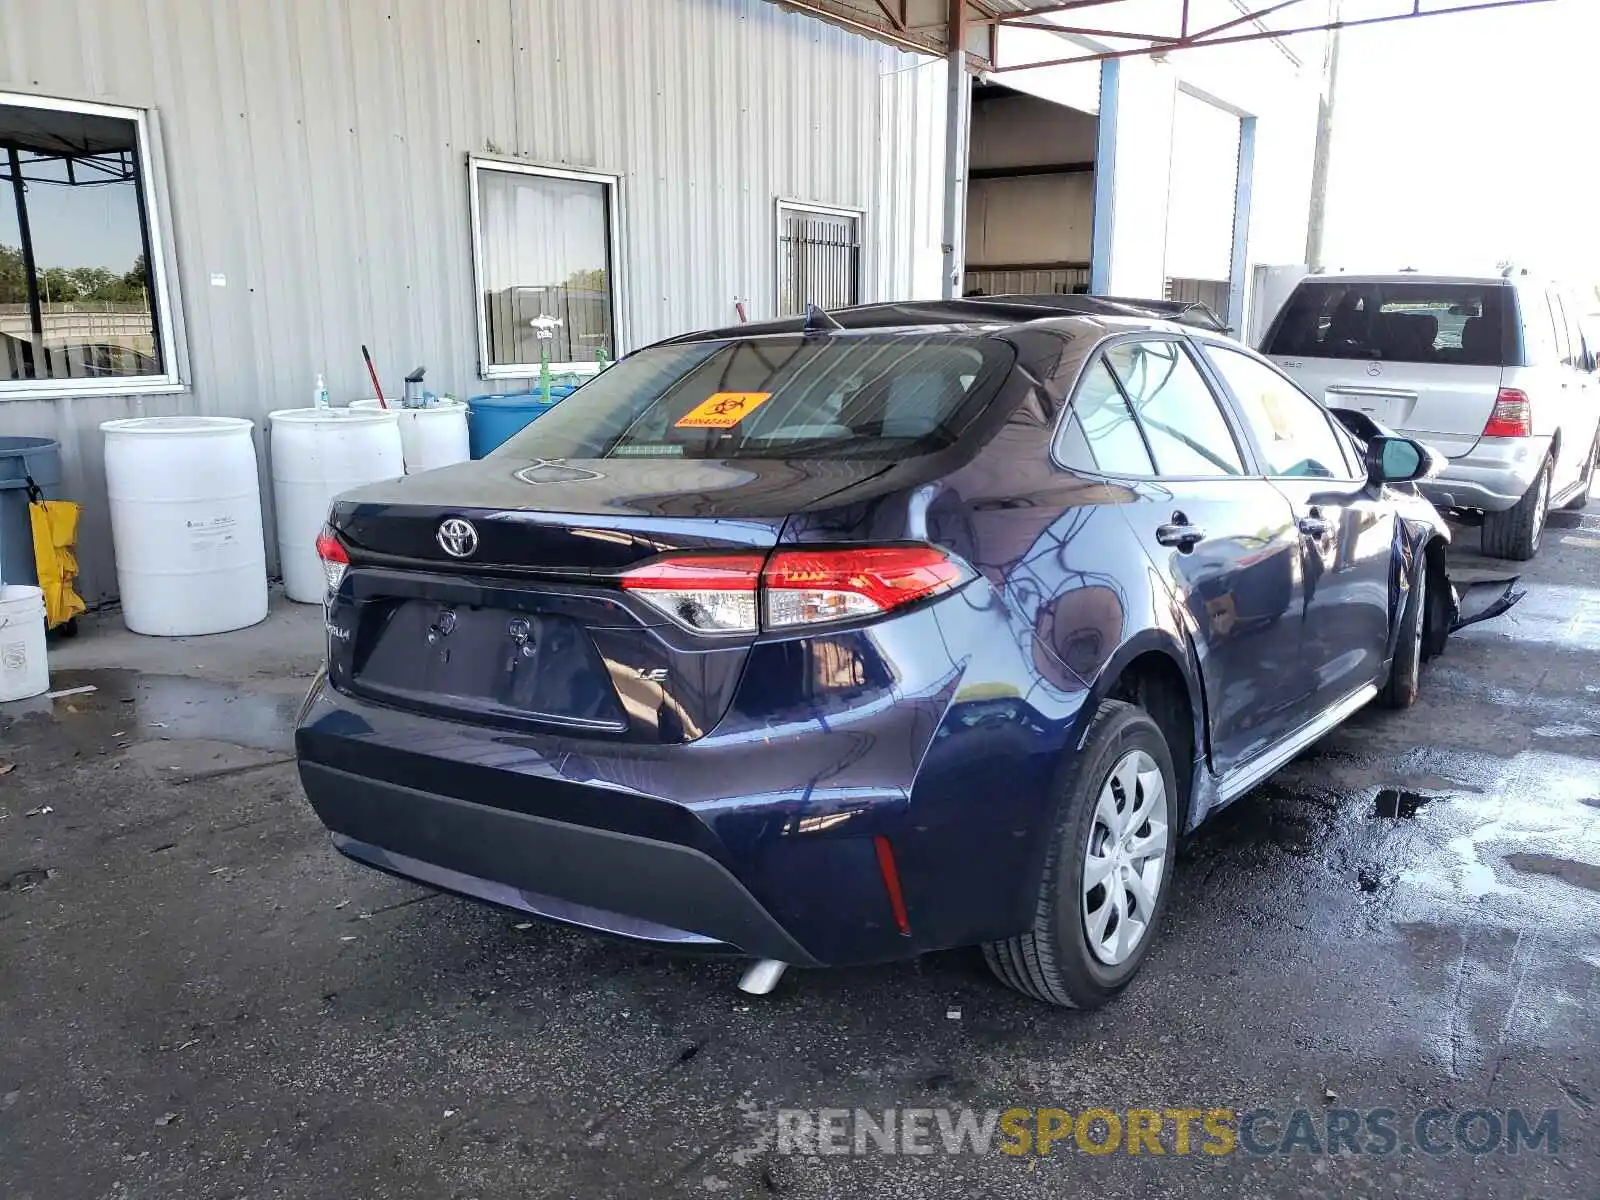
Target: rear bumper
(1493,475)
(590,878)
(757,838)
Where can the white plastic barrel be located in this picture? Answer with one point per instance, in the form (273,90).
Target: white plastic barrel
(186,524)
(316,454)
(431,437)
(23,670)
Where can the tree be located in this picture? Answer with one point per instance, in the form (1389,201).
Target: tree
(72,285)
(138,276)
(13,280)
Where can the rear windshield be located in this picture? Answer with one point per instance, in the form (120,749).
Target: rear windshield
(1398,322)
(858,396)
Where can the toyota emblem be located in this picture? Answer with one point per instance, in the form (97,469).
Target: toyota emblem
(458,538)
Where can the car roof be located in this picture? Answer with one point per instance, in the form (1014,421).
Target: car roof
(986,315)
(1406,277)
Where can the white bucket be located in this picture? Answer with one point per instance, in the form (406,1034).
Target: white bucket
(431,437)
(318,453)
(23,670)
(186,524)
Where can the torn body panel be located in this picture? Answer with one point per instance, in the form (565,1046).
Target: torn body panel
(1420,537)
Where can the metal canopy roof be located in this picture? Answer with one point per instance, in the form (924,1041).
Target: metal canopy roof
(1103,29)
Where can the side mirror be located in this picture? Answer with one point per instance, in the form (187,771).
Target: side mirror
(1399,460)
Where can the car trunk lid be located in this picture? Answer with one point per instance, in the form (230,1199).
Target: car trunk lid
(518,619)
(1445,405)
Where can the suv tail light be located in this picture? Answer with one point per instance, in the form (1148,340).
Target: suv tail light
(335,558)
(1512,415)
(743,593)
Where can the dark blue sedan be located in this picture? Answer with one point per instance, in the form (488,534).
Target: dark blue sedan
(845,639)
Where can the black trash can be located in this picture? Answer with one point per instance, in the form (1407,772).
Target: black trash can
(22,459)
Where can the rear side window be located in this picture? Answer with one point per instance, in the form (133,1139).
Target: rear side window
(1101,425)
(856,396)
(1459,323)
(1187,432)
(1569,334)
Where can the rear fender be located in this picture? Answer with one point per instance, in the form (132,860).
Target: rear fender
(1176,647)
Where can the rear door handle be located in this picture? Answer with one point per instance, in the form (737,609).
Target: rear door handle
(1180,534)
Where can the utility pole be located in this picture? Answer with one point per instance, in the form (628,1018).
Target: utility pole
(1316,224)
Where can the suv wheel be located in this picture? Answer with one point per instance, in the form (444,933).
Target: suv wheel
(1515,533)
(1107,869)
(1405,673)
(1582,498)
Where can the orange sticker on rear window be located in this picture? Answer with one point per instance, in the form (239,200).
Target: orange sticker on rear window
(723,410)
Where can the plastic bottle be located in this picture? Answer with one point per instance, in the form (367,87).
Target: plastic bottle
(322,392)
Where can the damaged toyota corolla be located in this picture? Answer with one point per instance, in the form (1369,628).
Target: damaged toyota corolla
(847,638)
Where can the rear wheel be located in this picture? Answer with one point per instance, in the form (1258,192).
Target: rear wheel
(1405,673)
(1582,498)
(1516,532)
(1106,871)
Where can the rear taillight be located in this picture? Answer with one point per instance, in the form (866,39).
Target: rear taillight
(710,593)
(335,558)
(806,587)
(735,593)
(1512,415)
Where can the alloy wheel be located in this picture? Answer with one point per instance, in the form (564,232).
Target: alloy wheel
(1125,861)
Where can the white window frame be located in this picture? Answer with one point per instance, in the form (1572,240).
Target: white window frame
(477,163)
(166,314)
(779,208)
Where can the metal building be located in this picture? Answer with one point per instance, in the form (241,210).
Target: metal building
(207,205)
(266,187)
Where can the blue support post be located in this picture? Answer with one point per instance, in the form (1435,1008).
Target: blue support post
(1105,179)
(1241,224)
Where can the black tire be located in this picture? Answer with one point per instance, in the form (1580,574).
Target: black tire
(1052,961)
(1582,498)
(1405,673)
(1516,532)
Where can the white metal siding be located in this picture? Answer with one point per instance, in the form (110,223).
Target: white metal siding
(314,153)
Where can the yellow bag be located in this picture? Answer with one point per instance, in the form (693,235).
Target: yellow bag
(55,532)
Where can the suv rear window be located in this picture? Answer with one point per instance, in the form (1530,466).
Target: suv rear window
(1398,322)
(860,396)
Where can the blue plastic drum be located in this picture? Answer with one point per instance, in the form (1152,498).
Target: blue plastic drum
(493,419)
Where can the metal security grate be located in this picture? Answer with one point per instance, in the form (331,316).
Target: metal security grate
(819,259)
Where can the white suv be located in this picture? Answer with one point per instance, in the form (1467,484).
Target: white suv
(1493,372)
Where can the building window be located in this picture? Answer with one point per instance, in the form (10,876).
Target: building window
(83,303)
(819,257)
(545,250)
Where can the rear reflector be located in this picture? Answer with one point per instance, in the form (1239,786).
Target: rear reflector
(1512,415)
(891,883)
(720,593)
(335,558)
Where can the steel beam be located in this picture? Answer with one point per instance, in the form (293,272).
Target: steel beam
(1197,42)
(957,133)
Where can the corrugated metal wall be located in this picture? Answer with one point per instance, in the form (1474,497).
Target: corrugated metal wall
(314,155)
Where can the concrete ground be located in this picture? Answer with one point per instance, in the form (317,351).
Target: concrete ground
(198,998)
